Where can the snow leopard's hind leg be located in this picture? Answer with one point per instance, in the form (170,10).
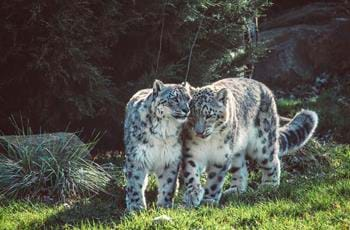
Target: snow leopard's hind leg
(136,176)
(167,183)
(267,146)
(215,181)
(271,168)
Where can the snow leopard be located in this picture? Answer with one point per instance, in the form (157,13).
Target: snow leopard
(153,123)
(230,120)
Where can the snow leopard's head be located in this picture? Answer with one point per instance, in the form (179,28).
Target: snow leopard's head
(208,110)
(171,100)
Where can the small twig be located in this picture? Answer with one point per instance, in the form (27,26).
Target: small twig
(160,39)
(256,30)
(250,39)
(191,50)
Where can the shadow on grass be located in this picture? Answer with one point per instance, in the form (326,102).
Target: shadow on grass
(106,210)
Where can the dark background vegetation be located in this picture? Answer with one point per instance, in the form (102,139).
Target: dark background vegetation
(74,64)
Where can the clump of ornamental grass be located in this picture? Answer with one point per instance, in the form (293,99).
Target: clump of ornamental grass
(57,170)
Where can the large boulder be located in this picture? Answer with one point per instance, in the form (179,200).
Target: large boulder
(303,43)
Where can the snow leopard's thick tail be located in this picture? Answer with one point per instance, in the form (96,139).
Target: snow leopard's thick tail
(297,132)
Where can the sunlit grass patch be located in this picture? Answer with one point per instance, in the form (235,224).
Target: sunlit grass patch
(25,214)
(332,107)
(287,106)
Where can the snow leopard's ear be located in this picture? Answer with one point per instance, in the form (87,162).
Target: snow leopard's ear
(222,95)
(157,87)
(188,87)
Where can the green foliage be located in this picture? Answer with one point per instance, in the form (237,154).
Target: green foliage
(79,62)
(59,171)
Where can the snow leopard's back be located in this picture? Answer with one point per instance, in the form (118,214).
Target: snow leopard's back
(255,101)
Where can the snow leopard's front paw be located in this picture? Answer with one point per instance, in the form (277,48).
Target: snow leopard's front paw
(135,206)
(134,202)
(233,191)
(211,202)
(268,186)
(165,204)
(193,196)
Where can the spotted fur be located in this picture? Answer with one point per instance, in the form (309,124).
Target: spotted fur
(153,122)
(230,120)
(297,132)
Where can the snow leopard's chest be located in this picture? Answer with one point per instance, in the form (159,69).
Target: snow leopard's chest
(211,151)
(158,153)
(218,149)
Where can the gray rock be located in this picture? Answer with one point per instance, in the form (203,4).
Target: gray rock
(303,43)
(162,219)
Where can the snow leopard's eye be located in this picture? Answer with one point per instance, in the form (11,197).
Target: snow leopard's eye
(209,116)
(185,97)
(174,99)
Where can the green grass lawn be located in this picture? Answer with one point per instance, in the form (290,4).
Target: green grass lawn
(316,196)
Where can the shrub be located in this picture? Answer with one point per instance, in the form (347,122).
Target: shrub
(57,171)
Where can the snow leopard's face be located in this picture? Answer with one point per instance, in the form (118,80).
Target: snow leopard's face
(208,111)
(171,100)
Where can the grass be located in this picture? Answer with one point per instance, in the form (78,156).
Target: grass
(314,198)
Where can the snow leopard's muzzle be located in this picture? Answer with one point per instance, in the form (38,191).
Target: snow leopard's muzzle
(201,129)
(181,113)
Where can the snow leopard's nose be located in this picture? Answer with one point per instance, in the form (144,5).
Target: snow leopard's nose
(185,110)
(199,129)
